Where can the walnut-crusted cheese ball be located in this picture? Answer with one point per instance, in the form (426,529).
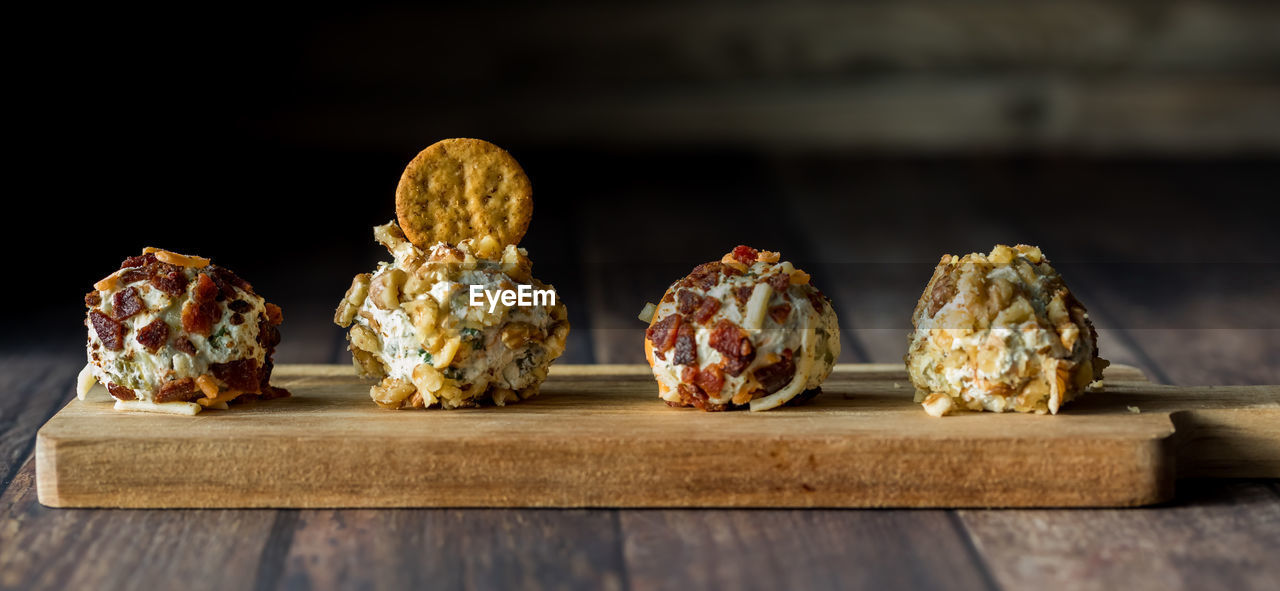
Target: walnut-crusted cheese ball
(173,333)
(1000,332)
(747,330)
(414,326)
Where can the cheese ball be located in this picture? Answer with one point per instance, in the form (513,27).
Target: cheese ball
(1000,332)
(745,331)
(175,334)
(416,325)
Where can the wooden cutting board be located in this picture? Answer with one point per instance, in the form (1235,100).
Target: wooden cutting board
(599,437)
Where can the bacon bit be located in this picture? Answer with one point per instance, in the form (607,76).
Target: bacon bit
(780,313)
(227,282)
(208,385)
(142,260)
(274,314)
(126,303)
(689,394)
(817,300)
(693,396)
(799,277)
(779,282)
(732,343)
(202,311)
(184,344)
(742,294)
(121,392)
(268,335)
(241,374)
(708,309)
(745,254)
(268,338)
(229,276)
(177,390)
(774,376)
(154,335)
(240,306)
(174,258)
(110,332)
(128,276)
(688,301)
(686,346)
(689,374)
(663,332)
(236,319)
(703,276)
(170,279)
(92,299)
(710,379)
(725,337)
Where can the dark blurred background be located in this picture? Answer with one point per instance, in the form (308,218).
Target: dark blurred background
(1136,142)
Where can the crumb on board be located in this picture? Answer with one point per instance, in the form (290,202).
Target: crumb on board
(1133,409)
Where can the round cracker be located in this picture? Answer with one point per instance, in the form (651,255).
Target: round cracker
(463,188)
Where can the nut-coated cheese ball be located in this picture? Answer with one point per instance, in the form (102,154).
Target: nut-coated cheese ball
(1000,332)
(414,324)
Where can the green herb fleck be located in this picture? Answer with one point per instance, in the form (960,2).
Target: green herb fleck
(213,340)
(426,357)
(473,335)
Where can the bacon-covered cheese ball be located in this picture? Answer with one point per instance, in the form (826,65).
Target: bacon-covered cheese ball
(1000,332)
(743,331)
(416,325)
(173,333)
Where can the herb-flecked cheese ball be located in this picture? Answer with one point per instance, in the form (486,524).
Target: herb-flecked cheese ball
(744,331)
(414,326)
(1000,332)
(173,333)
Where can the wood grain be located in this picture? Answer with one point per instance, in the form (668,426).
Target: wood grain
(454,549)
(598,437)
(820,549)
(44,548)
(1219,536)
(37,384)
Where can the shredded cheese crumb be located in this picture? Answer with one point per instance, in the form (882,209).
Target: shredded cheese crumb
(107,283)
(646,315)
(174,258)
(85,381)
(173,408)
(753,319)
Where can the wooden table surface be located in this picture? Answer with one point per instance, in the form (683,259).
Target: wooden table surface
(1187,298)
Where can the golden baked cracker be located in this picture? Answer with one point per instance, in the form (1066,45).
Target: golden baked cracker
(463,188)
